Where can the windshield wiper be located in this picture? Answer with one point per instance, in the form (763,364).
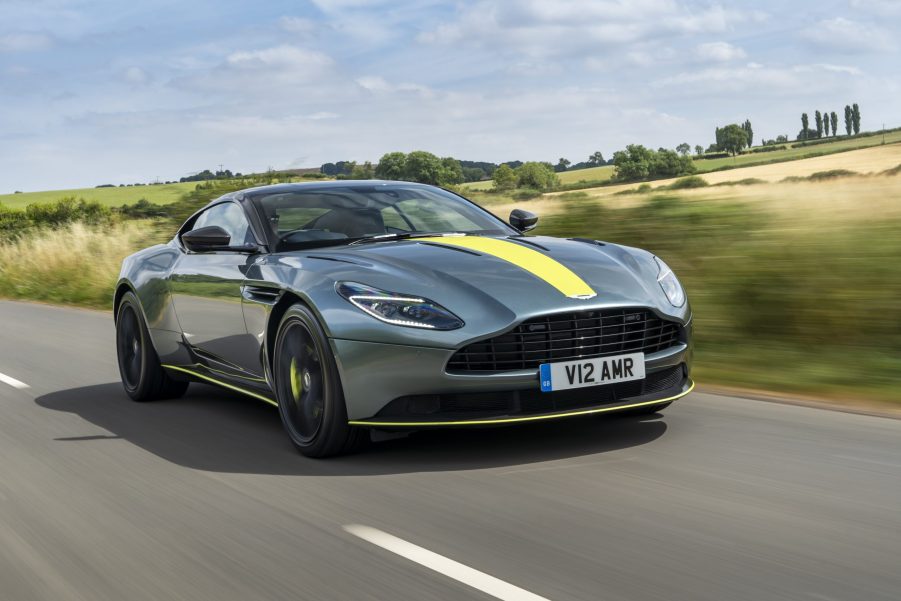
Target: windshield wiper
(405,236)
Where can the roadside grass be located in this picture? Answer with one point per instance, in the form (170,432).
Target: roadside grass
(75,265)
(795,288)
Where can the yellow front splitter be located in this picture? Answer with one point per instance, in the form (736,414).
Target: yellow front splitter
(526,418)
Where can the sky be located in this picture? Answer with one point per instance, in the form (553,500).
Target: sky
(115,91)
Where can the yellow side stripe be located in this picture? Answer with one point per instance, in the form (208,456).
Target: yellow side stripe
(541,266)
(528,418)
(221,383)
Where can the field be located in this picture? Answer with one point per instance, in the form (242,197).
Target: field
(599,175)
(111,197)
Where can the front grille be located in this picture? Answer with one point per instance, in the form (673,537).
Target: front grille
(567,336)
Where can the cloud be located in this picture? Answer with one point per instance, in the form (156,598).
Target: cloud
(847,36)
(770,81)
(878,7)
(719,52)
(378,84)
(24,42)
(539,28)
(297,25)
(289,57)
(135,75)
(284,70)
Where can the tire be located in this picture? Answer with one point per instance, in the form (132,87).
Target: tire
(308,388)
(143,377)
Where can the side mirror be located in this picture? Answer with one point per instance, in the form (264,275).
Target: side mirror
(211,237)
(523,220)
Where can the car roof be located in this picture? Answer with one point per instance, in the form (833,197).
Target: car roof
(248,193)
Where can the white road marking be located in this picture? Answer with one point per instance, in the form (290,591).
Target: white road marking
(13,382)
(450,568)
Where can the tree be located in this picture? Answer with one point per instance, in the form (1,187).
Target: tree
(473,174)
(807,134)
(364,171)
(781,139)
(633,163)
(423,167)
(538,176)
(848,124)
(596,159)
(392,165)
(666,163)
(504,178)
(818,117)
(855,118)
(834,118)
(329,169)
(699,150)
(562,164)
(749,131)
(734,138)
(805,125)
(451,173)
(684,149)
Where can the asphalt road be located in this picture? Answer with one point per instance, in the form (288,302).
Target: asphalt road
(204,498)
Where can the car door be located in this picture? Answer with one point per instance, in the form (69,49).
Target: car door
(206,292)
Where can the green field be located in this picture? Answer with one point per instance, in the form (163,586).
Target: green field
(801,152)
(111,197)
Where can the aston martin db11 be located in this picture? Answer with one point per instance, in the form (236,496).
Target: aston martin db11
(353,305)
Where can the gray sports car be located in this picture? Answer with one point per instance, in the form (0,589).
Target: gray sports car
(353,305)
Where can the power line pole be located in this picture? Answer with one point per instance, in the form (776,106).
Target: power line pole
(220,167)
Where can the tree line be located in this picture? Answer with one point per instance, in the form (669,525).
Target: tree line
(826,120)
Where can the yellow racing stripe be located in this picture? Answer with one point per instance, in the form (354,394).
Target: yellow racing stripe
(541,266)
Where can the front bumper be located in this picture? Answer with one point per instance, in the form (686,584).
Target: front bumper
(382,382)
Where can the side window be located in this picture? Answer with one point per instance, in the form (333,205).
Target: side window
(229,217)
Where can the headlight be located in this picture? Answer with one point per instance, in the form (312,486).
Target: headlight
(399,309)
(670,284)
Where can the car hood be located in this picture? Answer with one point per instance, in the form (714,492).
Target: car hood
(472,281)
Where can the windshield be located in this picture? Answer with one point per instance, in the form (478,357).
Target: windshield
(342,215)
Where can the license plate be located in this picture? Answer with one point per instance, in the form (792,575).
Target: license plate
(591,372)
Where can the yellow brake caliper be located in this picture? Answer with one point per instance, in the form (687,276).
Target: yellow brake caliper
(296,380)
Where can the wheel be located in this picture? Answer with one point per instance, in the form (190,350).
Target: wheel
(143,377)
(308,388)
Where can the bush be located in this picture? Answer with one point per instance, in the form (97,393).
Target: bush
(526,194)
(831,174)
(716,155)
(748,181)
(637,163)
(768,148)
(67,210)
(896,170)
(538,176)
(687,183)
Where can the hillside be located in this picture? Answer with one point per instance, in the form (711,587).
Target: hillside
(111,197)
(839,145)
